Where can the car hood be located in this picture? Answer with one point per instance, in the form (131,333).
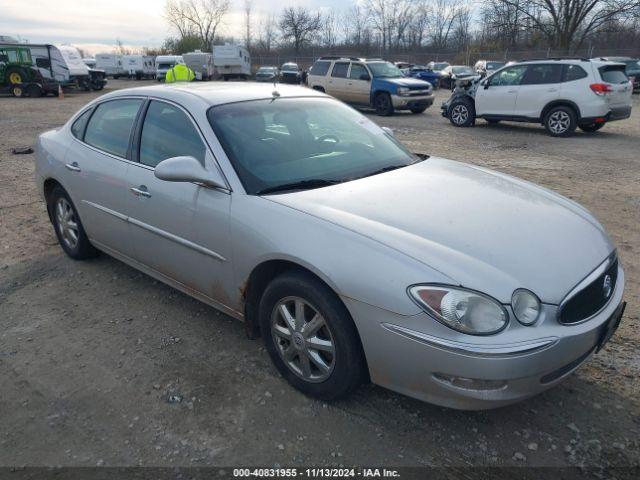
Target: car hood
(407,82)
(484,230)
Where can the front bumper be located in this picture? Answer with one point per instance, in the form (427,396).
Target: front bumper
(409,102)
(419,357)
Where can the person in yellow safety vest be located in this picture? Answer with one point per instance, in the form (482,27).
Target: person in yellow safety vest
(179,73)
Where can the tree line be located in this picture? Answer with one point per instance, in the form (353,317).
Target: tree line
(400,26)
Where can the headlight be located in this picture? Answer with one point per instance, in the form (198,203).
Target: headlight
(463,310)
(526,306)
(404,91)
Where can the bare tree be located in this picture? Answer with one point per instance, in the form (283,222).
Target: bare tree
(379,12)
(567,23)
(299,26)
(197,17)
(248,7)
(442,16)
(354,23)
(267,34)
(328,30)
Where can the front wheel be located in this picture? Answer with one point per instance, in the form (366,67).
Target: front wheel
(560,121)
(311,337)
(462,113)
(383,105)
(593,127)
(68,227)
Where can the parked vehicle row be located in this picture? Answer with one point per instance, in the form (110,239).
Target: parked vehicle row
(354,259)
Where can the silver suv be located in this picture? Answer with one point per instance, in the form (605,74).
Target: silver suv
(370,82)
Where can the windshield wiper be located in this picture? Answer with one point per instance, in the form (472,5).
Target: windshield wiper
(384,169)
(301,185)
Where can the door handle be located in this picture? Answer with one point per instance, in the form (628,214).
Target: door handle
(141,191)
(73,167)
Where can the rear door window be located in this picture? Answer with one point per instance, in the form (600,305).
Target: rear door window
(541,74)
(109,128)
(168,132)
(77,129)
(340,70)
(613,74)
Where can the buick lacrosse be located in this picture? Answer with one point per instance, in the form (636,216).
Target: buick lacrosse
(354,259)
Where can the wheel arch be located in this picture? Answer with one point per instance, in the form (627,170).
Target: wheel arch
(560,103)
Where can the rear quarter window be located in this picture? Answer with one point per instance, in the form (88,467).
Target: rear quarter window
(320,68)
(77,129)
(613,74)
(573,72)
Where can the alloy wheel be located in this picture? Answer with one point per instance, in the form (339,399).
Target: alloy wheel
(459,114)
(303,339)
(67,223)
(559,122)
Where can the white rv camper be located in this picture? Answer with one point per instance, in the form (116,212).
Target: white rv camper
(78,71)
(111,63)
(139,66)
(201,63)
(166,62)
(89,62)
(232,61)
(49,61)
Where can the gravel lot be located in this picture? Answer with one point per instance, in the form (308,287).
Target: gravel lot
(92,352)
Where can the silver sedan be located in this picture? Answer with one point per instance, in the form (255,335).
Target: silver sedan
(354,259)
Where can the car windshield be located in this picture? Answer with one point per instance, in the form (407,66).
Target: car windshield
(632,64)
(165,65)
(289,67)
(462,70)
(440,66)
(266,70)
(384,70)
(495,65)
(283,141)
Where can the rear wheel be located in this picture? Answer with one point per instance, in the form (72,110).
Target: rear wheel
(311,337)
(17,91)
(592,127)
(560,121)
(68,227)
(462,113)
(383,105)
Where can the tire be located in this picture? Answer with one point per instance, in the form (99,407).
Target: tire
(319,89)
(462,113)
(418,110)
(34,91)
(593,127)
(345,368)
(17,91)
(15,76)
(560,121)
(383,105)
(59,204)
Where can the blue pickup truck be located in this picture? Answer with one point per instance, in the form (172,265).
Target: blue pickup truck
(371,83)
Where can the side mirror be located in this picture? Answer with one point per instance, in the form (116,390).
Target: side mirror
(485,83)
(365,77)
(388,131)
(188,169)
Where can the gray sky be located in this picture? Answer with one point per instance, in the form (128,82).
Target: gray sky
(94,25)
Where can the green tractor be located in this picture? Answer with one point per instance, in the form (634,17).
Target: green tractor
(18,75)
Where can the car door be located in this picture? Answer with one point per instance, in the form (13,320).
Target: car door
(96,171)
(359,88)
(179,229)
(337,82)
(539,86)
(497,95)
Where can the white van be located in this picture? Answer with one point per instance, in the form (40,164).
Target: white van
(111,63)
(232,61)
(139,66)
(164,63)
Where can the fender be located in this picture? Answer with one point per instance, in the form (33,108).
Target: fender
(559,102)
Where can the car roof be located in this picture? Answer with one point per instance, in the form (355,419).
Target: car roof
(216,93)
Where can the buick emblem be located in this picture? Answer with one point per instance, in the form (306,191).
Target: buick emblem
(606,286)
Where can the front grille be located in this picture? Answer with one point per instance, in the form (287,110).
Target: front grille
(591,298)
(422,91)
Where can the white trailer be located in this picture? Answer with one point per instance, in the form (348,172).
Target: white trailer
(166,62)
(201,63)
(111,63)
(89,62)
(232,61)
(78,70)
(139,66)
(49,61)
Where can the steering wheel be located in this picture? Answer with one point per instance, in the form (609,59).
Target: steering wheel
(328,136)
